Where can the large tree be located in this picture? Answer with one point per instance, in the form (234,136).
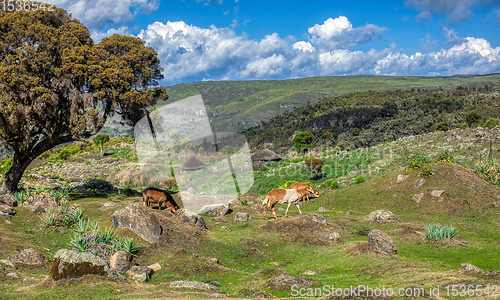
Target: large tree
(57,86)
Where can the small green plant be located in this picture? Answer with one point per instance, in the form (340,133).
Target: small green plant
(20,197)
(445,157)
(426,172)
(440,232)
(79,243)
(126,244)
(335,185)
(81,226)
(77,214)
(93,226)
(492,122)
(67,222)
(127,190)
(54,194)
(359,179)
(418,161)
(64,208)
(49,218)
(108,235)
(38,189)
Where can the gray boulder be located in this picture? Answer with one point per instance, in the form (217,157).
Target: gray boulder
(141,274)
(437,193)
(138,219)
(419,182)
(417,197)
(121,261)
(381,216)
(322,209)
(317,218)
(29,256)
(402,177)
(6,210)
(193,285)
(329,237)
(73,264)
(241,217)
(215,209)
(382,242)
(7,264)
(188,217)
(470,268)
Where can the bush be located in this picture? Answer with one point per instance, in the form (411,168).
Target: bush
(79,243)
(445,157)
(472,118)
(426,172)
(335,185)
(443,126)
(418,161)
(492,122)
(359,179)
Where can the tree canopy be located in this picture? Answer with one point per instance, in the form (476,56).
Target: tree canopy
(57,86)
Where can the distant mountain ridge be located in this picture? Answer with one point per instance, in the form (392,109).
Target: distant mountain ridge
(239,105)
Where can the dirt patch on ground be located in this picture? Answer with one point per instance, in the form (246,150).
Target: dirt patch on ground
(300,229)
(447,243)
(188,264)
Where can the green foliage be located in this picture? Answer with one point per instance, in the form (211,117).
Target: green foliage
(492,122)
(20,196)
(49,218)
(101,139)
(445,157)
(79,243)
(440,232)
(418,161)
(5,165)
(443,126)
(93,226)
(81,226)
(105,236)
(77,215)
(302,140)
(464,125)
(64,207)
(335,185)
(473,118)
(359,179)
(426,171)
(67,222)
(126,244)
(126,190)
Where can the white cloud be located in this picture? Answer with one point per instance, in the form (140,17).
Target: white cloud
(97,36)
(340,34)
(98,13)
(457,10)
(189,53)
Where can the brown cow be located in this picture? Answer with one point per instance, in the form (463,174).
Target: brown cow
(303,185)
(156,195)
(280,196)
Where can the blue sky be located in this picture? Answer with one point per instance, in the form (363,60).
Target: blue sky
(244,40)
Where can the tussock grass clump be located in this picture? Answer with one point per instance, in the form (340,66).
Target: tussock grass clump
(126,244)
(79,243)
(440,232)
(49,218)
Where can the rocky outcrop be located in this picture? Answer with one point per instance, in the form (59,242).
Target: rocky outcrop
(286,281)
(72,264)
(215,209)
(329,237)
(317,218)
(7,264)
(381,241)
(186,284)
(121,261)
(6,211)
(241,217)
(470,268)
(8,200)
(141,274)
(29,256)
(188,217)
(381,216)
(138,219)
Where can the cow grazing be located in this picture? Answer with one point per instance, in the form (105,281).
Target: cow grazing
(303,185)
(156,195)
(280,196)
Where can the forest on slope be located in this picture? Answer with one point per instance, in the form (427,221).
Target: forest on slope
(363,119)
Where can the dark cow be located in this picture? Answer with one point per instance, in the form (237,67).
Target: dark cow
(156,195)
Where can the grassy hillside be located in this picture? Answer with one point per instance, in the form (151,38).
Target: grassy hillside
(252,254)
(363,119)
(237,105)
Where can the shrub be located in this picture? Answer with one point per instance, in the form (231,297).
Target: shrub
(302,140)
(445,157)
(64,208)
(81,226)
(492,122)
(472,118)
(443,126)
(126,244)
(77,214)
(418,161)
(426,172)
(464,125)
(335,185)
(20,197)
(359,179)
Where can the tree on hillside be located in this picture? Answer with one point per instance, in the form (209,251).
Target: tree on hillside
(302,140)
(57,86)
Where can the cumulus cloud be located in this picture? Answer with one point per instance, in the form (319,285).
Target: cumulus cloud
(457,10)
(98,13)
(339,33)
(190,53)
(97,36)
